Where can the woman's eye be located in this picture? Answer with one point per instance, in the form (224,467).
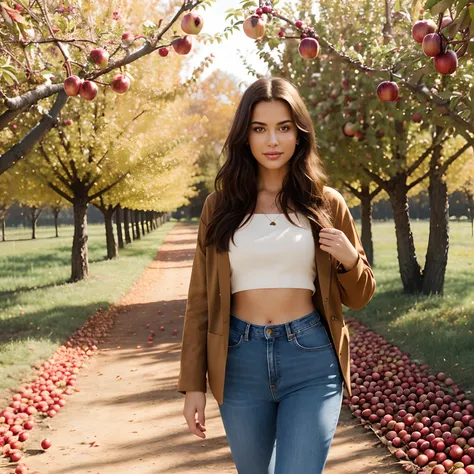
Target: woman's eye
(256,129)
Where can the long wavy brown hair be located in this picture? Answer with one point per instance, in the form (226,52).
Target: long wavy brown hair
(236,183)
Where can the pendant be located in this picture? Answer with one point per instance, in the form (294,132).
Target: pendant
(272,223)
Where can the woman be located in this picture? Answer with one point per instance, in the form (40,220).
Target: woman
(277,255)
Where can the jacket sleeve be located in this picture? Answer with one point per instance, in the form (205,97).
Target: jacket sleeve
(356,286)
(193,365)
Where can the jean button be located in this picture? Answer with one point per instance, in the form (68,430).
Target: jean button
(269,331)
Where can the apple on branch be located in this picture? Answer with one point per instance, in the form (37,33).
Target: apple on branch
(183,45)
(446,63)
(349,129)
(88,90)
(308,48)
(72,85)
(120,84)
(422,28)
(128,37)
(192,23)
(254,27)
(100,57)
(432,44)
(387,91)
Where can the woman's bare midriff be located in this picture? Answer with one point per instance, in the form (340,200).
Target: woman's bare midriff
(272,305)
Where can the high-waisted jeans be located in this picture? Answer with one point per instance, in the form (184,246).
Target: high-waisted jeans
(282,396)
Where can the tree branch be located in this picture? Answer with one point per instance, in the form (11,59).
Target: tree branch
(16,152)
(98,193)
(456,155)
(53,169)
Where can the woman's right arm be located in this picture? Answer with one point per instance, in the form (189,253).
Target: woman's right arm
(193,366)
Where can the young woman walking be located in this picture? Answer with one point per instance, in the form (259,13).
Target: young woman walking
(277,255)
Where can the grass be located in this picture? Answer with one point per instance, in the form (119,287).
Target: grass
(436,330)
(38,310)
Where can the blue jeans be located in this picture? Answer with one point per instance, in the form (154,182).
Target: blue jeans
(282,396)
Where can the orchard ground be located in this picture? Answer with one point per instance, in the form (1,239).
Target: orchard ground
(132,391)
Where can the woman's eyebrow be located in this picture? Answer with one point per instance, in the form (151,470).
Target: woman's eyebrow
(279,123)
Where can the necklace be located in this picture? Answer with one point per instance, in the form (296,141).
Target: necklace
(272,222)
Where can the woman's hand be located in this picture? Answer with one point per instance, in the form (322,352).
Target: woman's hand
(336,243)
(195,402)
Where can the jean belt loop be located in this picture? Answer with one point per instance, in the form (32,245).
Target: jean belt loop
(290,335)
(247,329)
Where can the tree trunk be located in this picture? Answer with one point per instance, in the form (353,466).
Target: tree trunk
(56,220)
(34,220)
(438,242)
(3,218)
(126,225)
(112,250)
(118,225)
(366,224)
(137,223)
(80,263)
(142,221)
(410,271)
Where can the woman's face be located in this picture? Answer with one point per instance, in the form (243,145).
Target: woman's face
(272,130)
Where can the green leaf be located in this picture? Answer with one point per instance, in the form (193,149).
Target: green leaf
(9,77)
(461,4)
(441,6)
(431,3)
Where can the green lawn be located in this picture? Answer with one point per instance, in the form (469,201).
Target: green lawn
(437,330)
(38,310)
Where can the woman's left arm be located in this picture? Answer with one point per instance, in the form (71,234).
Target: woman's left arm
(354,275)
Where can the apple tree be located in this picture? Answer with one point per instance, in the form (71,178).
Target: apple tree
(52,52)
(346,48)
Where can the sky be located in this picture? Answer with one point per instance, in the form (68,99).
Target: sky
(226,53)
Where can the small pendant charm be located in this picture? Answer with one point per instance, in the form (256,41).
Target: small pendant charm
(272,223)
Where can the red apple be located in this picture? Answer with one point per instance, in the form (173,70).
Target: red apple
(422,28)
(308,48)
(128,37)
(88,90)
(387,91)
(100,57)
(72,84)
(183,45)
(349,129)
(46,443)
(432,44)
(446,63)
(254,27)
(120,83)
(192,23)
(163,52)
(68,122)
(447,20)
(417,117)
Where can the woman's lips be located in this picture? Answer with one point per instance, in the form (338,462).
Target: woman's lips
(273,155)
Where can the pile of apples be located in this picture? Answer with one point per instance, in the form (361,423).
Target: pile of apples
(191,24)
(425,420)
(47,393)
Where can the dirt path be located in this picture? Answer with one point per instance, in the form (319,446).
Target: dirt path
(127,417)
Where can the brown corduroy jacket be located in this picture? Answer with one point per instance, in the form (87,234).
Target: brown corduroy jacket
(206,324)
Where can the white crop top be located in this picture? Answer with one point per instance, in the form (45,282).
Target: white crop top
(279,256)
